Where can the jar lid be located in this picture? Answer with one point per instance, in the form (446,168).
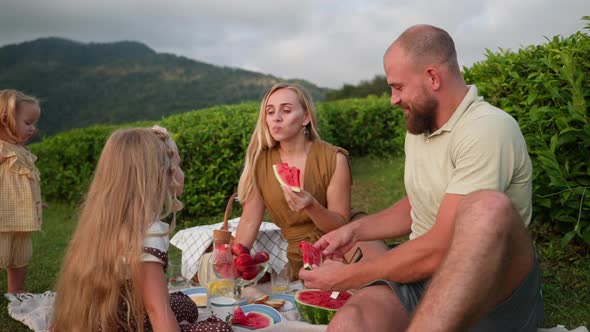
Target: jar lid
(221,236)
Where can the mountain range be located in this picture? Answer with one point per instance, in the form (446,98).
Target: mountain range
(81,84)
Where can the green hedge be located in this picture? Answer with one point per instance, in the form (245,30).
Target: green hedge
(547,89)
(212,143)
(67,160)
(367,126)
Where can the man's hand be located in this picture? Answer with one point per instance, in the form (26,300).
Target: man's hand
(297,201)
(328,276)
(336,243)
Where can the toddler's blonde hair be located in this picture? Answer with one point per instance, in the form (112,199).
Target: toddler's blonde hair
(10,103)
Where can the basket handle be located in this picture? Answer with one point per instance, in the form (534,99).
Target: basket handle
(228,211)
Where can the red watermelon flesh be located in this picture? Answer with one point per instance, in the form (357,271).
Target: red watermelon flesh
(323,299)
(317,307)
(288,176)
(311,255)
(255,320)
(239,316)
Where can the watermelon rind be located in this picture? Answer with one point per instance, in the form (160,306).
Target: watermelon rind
(283,183)
(311,313)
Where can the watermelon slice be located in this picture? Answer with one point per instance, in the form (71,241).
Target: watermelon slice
(311,255)
(254,320)
(317,307)
(288,176)
(239,316)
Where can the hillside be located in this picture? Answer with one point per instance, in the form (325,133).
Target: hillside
(377,86)
(83,84)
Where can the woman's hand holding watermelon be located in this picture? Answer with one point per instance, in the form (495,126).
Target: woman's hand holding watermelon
(297,200)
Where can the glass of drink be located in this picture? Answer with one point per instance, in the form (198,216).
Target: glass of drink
(279,280)
(174,274)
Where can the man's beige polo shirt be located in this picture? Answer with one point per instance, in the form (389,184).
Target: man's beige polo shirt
(480,147)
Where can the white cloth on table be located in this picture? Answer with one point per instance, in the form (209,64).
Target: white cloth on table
(194,242)
(35,311)
(291,322)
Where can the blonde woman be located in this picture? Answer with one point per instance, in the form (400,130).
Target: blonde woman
(113,274)
(286,131)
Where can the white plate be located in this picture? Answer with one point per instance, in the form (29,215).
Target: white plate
(198,295)
(289,301)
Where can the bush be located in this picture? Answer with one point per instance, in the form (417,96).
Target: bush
(67,162)
(547,89)
(212,143)
(368,126)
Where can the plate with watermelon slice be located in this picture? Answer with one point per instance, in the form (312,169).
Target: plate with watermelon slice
(256,316)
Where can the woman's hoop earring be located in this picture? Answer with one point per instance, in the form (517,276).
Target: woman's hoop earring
(305,131)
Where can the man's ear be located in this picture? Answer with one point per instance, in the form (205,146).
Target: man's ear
(434,79)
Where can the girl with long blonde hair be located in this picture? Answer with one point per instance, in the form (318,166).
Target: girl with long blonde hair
(113,274)
(286,131)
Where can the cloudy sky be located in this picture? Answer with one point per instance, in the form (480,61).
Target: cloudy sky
(327,42)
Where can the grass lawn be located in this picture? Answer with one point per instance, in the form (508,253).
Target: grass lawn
(48,250)
(377,184)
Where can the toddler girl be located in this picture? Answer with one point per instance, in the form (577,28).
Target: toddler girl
(20,206)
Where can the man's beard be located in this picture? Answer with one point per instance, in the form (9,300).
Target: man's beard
(421,116)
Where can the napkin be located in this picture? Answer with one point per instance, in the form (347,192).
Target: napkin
(33,310)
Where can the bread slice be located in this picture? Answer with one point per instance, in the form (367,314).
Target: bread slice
(275,303)
(260,300)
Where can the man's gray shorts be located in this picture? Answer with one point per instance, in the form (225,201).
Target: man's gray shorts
(522,311)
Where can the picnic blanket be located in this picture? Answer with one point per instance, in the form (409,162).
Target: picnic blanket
(35,311)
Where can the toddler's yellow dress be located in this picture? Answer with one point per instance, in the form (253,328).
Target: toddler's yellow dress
(20,189)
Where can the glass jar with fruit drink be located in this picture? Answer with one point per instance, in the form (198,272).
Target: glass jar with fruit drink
(221,277)
(232,264)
